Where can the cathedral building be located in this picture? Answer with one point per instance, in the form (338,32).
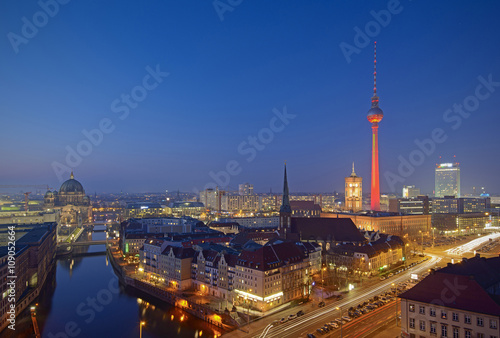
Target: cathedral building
(74,205)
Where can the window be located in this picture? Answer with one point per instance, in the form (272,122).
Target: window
(412,308)
(422,325)
(467,319)
(412,323)
(456,332)
(480,321)
(480,335)
(443,314)
(455,317)
(433,327)
(421,310)
(493,324)
(468,334)
(444,331)
(433,312)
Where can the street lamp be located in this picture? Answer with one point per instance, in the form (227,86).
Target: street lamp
(339,308)
(322,284)
(422,240)
(393,285)
(140,328)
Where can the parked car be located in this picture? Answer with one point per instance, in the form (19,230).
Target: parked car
(292,316)
(283,320)
(346,318)
(321,304)
(310,335)
(300,313)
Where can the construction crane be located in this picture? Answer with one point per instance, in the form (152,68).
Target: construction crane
(26,194)
(26,200)
(36,186)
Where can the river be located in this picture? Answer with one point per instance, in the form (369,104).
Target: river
(82,298)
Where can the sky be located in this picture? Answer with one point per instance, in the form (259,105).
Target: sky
(163,95)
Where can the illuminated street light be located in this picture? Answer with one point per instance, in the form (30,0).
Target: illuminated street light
(140,328)
(341,320)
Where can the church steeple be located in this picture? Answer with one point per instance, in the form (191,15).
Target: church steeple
(353,174)
(285,210)
(285,204)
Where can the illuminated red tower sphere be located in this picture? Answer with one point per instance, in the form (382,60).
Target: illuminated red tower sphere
(375,115)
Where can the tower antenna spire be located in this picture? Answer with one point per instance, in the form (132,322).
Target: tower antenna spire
(375,69)
(375,97)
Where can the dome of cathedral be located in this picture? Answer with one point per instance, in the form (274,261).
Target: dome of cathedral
(72,186)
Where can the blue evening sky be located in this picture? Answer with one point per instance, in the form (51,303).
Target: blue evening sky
(81,67)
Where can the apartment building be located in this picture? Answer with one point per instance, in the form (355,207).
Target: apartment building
(460,300)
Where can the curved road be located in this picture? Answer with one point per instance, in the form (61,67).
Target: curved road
(316,318)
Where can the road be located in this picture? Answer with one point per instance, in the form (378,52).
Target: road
(316,317)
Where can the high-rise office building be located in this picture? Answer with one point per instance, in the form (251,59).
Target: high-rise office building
(353,192)
(447,180)
(375,115)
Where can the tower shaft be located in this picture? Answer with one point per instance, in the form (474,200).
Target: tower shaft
(375,186)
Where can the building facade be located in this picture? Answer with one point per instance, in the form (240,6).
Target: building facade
(353,192)
(389,223)
(460,300)
(447,180)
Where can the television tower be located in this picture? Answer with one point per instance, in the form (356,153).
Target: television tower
(375,115)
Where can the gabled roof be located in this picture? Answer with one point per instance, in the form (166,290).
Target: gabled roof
(454,291)
(304,205)
(179,252)
(271,256)
(327,229)
(471,285)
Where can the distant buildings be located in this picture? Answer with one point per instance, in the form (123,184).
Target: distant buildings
(453,205)
(305,209)
(420,205)
(464,214)
(253,222)
(185,208)
(144,210)
(245,189)
(409,191)
(460,300)
(353,192)
(447,180)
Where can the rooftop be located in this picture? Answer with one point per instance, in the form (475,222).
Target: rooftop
(472,285)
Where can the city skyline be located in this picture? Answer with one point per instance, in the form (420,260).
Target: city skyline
(297,76)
